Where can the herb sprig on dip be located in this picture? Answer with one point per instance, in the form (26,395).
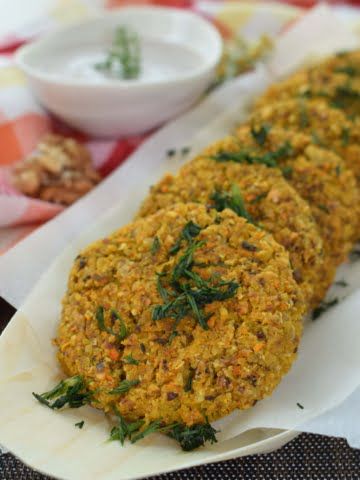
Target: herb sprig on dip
(123,60)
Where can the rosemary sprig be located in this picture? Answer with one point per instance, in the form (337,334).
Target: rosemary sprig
(100,318)
(71,392)
(124,57)
(124,386)
(232,200)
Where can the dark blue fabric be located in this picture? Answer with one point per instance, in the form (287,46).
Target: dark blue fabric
(308,457)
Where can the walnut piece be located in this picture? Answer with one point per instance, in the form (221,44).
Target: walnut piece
(58,171)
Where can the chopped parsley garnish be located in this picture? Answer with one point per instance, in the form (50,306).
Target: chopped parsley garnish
(260,134)
(70,392)
(123,59)
(269,159)
(324,307)
(124,386)
(129,359)
(155,246)
(300,406)
(188,292)
(345,136)
(232,200)
(114,315)
(341,283)
(80,424)
(193,437)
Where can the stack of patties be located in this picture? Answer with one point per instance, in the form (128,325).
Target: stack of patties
(195,309)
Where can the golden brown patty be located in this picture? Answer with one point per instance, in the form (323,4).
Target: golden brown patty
(269,199)
(251,338)
(346,62)
(337,89)
(320,177)
(329,127)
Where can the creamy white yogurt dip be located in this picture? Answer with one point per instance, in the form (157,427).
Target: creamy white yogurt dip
(160,60)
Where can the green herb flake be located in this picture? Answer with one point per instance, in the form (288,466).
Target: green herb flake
(324,307)
(124,387)
(324,208)
(300,406)
(349,70)
(100,318)
(259,197)
(171,152)
(70,392)
(130,360)
(190,296)
(303,116)
(185,150)
(269,159)
(189,381)
(153,427)
(344,96)
(124,429)
(316,139)
(80,424)
(124,57)
(354,255)
(155,246)
(190,231)
(287,171)
(193,437)
(260,134)
(341,283)
(345,137)
(232,200)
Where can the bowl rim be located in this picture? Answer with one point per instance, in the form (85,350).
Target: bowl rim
(124,85)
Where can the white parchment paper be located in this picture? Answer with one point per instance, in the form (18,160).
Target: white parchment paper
(326,374)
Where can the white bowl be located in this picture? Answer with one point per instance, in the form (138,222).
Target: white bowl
(112,107)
